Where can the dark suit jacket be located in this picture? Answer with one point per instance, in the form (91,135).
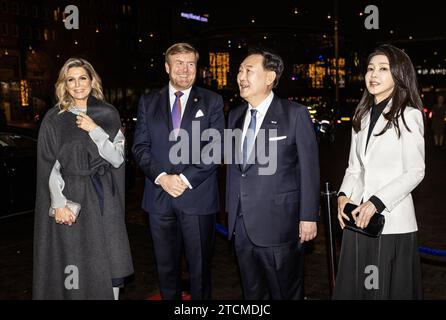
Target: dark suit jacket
(273,205)
(151,150)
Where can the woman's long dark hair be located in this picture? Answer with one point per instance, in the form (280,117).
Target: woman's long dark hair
(405,92)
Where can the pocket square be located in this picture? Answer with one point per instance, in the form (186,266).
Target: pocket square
(199,114)
(277,138)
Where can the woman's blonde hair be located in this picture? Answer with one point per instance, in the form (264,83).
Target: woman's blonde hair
(64,99)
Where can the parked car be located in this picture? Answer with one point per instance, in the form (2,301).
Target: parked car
(17,172)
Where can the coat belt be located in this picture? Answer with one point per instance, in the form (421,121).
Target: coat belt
(94,175)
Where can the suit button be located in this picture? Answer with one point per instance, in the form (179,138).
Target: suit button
(238,196)
(243,175)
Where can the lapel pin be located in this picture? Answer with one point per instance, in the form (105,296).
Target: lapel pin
(273,122)
(195,99)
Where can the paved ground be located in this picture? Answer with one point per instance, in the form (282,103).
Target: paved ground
(16,239)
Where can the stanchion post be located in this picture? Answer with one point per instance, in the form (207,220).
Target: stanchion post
(330,240)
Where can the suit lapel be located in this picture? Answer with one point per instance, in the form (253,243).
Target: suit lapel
(363,134)
(164,107)
(191,109)
(239,142)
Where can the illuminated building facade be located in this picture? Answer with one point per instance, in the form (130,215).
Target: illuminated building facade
(125,41)
(320,73)
(219,68)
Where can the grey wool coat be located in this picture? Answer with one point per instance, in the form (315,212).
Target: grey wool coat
(80,261)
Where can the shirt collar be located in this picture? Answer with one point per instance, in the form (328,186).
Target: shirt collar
(172,91)
(77,110)
(263,107)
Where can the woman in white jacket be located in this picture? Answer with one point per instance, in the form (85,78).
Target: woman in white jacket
(386,163)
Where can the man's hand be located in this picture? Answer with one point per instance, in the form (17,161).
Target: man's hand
(85,122)
(342,201)
(64,216)
(172,184)
(363,214)
(307,231)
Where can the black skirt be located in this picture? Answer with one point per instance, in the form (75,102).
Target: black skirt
(381,268)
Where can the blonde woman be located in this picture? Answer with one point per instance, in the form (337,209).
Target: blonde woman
(81,248)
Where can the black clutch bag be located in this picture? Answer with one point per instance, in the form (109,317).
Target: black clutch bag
(373,229)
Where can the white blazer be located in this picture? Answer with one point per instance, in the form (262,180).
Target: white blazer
(389,169)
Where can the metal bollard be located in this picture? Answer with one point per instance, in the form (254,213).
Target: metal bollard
(330,241)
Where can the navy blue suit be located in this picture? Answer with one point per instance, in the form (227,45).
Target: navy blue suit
(188,219)
(264,210)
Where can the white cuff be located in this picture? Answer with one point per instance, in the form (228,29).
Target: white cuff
(60,203)
(159,176)
(98,134)
(185,181)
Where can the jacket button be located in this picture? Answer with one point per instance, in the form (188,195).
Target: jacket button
(243,175)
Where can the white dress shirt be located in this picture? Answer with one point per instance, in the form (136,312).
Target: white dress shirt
(183,100)
(262,108)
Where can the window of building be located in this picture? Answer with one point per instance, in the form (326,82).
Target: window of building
(38,34)
(24,9)
(341,70)
(4,6)
(320,72)
(35,12)
(317,72)
(219,68)
(46,13)
(30,33)
(15,7)
(24,93)
(46,35)
(4,29)
(14,30)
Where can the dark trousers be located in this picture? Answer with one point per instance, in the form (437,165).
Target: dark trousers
(170,231)
(269,272)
